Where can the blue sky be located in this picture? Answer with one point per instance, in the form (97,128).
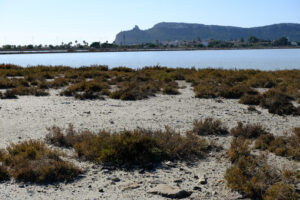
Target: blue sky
(54,21)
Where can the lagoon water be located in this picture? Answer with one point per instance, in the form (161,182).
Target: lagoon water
(263,59)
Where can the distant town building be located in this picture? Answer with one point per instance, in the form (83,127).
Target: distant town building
(294,43)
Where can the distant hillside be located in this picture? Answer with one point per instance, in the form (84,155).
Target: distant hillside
(183,31)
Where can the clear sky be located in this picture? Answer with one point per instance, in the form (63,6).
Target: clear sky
(54,21)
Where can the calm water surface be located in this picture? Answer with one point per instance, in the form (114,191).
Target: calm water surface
(263,59)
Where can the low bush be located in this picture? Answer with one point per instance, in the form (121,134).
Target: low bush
(239,147)
(278,103)
(4,175)
(6,83)
(87,90)
(205,91)
(287,146)
(207,83)
(281,191)
(263,80)
(209,126)
(248,131)
(21,90)
(253,177)
(32,161)
(138,147)
(136,90)
(250,99)
(8,94)
(56,136)
(58,83)
(234,92)
(170,90)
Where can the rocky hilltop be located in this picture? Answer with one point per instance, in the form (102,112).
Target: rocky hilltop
(183,31)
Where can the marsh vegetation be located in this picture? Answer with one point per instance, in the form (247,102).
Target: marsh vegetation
(100,82)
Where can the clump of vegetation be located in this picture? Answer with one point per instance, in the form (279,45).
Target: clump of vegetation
(171,88)
(209,126)
(250,99)
(4,175)
(278,103)
(87,90)
(32,161)
(94,82)
(253,177)
(8,94)
(138,147)
(6,83)
(287,146)
(205,91)
(248,131)
(239,147)
(212,89)
(136,89)
(235,91)
(263,80)
(21,90)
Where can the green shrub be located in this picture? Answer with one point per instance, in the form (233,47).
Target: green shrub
(205,91)
(278,103)
(287,146)
(138,147)
(253,177)
(234,92)
(32,161)
(209,126)
(250,99)
(6,83)
(248,131)
(58,83)
(9,94)
(170,90)
(239,147)
(4,175)
(136,90)
(281,191)
(87,90)
(21,90)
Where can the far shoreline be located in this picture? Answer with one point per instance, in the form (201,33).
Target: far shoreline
(5,52)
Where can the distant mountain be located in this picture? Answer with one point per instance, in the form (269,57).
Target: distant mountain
(182,31)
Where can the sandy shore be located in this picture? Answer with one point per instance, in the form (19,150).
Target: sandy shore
(28,117)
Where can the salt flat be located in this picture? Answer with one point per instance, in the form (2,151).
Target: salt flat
(28,117)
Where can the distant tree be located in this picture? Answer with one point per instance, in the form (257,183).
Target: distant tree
(96,45)
(30,46)
(70,44)
(242,40)
(253,39)
(151,45)
(283,41)
(7,46)
(108,45)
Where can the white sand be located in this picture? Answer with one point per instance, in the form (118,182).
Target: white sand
(28,117)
